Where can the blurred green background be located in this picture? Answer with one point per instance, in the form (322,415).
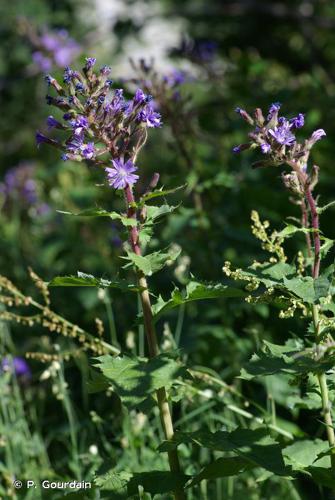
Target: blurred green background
(236,53)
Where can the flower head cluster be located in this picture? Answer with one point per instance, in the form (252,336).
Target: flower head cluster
(20,189)
(54,48)
(197,50)
(16,365)
(99,121)
(275,136)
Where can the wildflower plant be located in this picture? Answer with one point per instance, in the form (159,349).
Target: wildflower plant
(303,287)
(103,128)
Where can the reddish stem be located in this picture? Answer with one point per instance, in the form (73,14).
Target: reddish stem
(316,232)
(305,224)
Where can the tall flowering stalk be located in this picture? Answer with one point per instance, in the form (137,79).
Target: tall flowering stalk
(108,131)
(275,137)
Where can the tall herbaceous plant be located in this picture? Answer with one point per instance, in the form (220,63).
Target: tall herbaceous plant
(107,131)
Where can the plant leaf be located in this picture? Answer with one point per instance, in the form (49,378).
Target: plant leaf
(99,212)
(124,485)
(136,379)
(83,279)
(160,192)
(255,446)
(222,467)
(195,290)
(153,262)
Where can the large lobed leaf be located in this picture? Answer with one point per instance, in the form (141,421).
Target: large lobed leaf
(286,358)
(283,277)
(254,446)
(136,379)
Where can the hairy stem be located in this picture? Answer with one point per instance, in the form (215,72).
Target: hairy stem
(305,224)
(162,401)
(326,404)
(316,234)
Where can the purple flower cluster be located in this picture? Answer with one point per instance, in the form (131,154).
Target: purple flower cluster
(199,50)
(54,48)
(275,136)
(17,365)
(20,188)
(99,121)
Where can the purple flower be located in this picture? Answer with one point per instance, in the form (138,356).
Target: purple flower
(74,144)
(90,62)
(121,174)
(52,122)
(44,63)
(50,41)
(88,150)
(105,70)
(149,116)
(317,135)
(241,147)
(17,365)
(79,125)
(283,134)
(176,77)
(274,108)
(298,121)
(265,148)
(41,139)
(80,87)
(205,50)
(244,115)
(68,75)
(139,97)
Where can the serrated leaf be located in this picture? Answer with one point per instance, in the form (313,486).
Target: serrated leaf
(283,359)
(326,246)
(291,229)
(305,453)
(99,212)
(124,485)
(135,379)
(154,213)
(255,446)
(153,262)
(195,290)
(83,279)
(160,192)
(302,287)
(320,210)
(222,467)
(115,482)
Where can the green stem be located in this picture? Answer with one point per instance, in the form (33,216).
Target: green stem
(162,401)
(111,319)
(326,404)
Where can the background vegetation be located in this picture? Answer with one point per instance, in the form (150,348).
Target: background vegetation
(259,52)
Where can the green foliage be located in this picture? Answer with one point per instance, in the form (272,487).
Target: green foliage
(254,445)
(288,358)
(99,212)
(83,279)
(136,380)
(124,485)
(153,262)
(194,290)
